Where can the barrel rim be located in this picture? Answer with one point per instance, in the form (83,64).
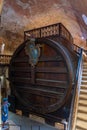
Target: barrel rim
(64,52)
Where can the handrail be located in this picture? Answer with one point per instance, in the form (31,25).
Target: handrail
(79,62)
(51,30)
(77,49)
(57,29)
(74,91)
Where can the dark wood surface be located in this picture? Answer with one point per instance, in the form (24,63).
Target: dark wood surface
(47,86)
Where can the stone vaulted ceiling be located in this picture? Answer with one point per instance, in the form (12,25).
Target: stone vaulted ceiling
(20,15)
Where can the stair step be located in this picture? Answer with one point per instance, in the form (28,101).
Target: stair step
(84,82)
(78,129)
(81,124)
(84,77)
(82,103)
(84,70)
(84,74)
(82,116)
(83,91)
(85,63)
(83,86)
(83,97)
(82,109)
(84,66)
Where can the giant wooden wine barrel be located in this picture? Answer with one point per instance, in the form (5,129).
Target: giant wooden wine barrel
(41,75)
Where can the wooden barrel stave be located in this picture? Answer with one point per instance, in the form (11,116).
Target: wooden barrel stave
(48,84)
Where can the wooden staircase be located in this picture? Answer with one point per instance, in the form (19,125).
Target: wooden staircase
(81,117)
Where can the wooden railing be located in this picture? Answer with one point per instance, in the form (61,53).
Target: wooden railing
(5,59)
(51,30)
(75,87)
(77,49)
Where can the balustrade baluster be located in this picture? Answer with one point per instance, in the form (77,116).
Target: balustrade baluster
(56,29)
(5,59)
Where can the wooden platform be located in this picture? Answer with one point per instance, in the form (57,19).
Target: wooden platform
(17,122)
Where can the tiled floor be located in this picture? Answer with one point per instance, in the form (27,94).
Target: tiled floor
(17,122)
